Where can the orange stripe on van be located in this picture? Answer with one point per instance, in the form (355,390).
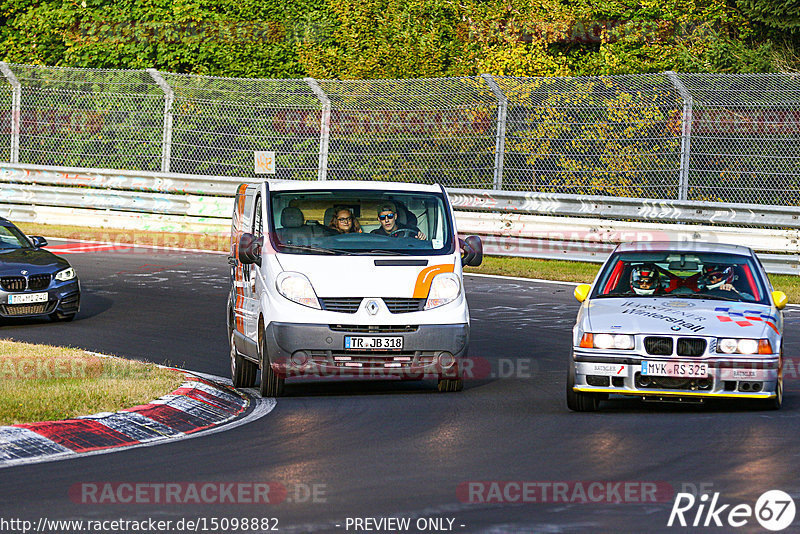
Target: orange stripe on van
(425,278)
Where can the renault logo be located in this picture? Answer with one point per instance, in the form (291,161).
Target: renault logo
(372,307)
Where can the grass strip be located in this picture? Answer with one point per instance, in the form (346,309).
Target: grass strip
(46,383)
(569,271)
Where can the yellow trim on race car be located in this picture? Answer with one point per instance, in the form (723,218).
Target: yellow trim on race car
(675,393)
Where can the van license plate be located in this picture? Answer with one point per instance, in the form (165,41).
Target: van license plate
(373,342)
(675,369)
(27,298)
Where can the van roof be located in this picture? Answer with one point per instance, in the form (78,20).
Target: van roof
(305,185)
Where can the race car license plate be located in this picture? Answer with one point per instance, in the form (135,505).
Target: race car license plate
(675,369)
(373,342)
(27,298)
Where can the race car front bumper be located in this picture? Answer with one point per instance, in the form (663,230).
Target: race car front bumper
(746,377)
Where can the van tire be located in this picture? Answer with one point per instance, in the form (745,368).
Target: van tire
(271,383)
(450,385)
(243,371)
(578,401)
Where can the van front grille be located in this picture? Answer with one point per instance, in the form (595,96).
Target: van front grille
(398,305)
(373,328)
(341,305)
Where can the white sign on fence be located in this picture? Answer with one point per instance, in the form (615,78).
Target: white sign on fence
(265,162)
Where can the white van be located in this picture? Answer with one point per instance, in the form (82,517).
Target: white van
(333,279)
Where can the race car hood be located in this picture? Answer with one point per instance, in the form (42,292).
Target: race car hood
(369,276)
(679,316)
(34,261)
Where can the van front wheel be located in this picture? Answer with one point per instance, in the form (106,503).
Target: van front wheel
(271,382)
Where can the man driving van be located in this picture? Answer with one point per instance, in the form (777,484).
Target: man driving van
(390,226)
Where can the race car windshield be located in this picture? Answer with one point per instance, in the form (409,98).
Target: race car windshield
(695,275)
(368,222)
(12,239)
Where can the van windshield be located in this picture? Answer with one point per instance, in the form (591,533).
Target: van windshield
(357,221)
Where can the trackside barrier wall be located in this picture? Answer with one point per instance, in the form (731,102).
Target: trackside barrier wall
(700,137)
(536,225)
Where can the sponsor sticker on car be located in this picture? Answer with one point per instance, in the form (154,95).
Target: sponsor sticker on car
(608,369)
(675,369)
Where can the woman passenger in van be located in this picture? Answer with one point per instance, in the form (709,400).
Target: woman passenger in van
(344,222)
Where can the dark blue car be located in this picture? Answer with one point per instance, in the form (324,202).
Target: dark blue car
(33,281)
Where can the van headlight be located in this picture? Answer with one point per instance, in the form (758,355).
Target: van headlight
(297,288)
(65,275)
(445,288)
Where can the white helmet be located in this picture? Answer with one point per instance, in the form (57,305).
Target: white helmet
(645,279)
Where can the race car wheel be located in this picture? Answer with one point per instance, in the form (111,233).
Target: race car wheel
(243,371)
(776,402)
(271,382)
(578,401)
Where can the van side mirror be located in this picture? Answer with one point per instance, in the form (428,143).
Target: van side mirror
(250,249)
(38,241)
(472,248)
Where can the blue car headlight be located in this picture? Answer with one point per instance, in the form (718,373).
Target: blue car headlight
(65,275)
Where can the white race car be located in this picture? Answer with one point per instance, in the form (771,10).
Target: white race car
(678,322)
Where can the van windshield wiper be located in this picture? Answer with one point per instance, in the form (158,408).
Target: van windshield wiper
(314,248)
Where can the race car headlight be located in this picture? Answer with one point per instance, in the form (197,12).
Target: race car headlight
(445,288)
(66,274)
(297,288)
(607,341)
(730,345)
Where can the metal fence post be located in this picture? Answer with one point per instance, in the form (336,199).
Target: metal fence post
(324,128)
(169,98)
(686,134)
(16,105)
(500,143)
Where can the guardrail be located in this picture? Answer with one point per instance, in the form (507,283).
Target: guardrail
(535,225)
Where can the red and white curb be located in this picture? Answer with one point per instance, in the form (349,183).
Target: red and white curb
(198,407)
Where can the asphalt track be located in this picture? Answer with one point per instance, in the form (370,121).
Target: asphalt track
(400,449)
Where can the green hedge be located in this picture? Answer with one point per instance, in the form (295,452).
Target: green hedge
(351,39)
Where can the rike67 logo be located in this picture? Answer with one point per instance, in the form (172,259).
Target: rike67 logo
(774,510)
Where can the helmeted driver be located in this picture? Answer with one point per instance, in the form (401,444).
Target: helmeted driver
(645,279)
(717,277)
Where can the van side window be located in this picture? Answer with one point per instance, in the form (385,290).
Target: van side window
(258,225)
